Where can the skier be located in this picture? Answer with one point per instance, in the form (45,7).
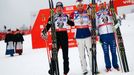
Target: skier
(83,34)
(105,28)
(19,42)
(9,40)
(61,23)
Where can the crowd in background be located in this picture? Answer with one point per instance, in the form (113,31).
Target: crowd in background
(14,42)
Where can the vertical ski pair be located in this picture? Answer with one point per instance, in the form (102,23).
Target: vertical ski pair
(93,38)
(119,42)
(53,56)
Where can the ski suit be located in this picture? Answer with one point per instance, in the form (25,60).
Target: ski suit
(9,40)
(61,21)
(83,36)
(107,38)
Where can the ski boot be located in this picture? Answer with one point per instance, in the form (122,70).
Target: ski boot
(108,69)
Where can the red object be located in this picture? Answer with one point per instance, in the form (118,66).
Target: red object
(41,20)
(37,40)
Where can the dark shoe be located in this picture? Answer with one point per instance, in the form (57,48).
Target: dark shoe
(65,73)
(11,55)
(66,70)
(20,53)
(50,71)
(108,69)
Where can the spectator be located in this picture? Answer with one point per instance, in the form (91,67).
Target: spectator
(9,40)
(18,42)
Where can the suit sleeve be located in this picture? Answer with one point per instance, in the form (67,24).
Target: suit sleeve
(70,22)
(6,38)
(47,27)
(48,24)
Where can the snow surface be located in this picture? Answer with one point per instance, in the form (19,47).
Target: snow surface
(35,62)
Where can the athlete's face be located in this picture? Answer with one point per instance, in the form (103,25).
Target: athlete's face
(102,6)
(80,7)
(59,9)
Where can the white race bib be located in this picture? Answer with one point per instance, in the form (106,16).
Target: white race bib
(61,22)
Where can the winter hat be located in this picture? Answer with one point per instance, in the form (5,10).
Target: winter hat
(59,4)
(79,2)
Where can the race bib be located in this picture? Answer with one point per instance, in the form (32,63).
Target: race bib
(61,22)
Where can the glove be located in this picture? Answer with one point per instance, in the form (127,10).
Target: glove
(118,24)
(44,34)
